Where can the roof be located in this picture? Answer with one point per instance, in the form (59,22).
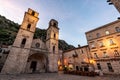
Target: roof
(75,48)
(106,25)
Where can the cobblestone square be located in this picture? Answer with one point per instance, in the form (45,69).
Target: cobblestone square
(56,76)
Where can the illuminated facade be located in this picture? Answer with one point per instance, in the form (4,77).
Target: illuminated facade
(60,60)
(104,44)
(77,59)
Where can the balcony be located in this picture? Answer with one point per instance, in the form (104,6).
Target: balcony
(102,45)
(111,58)
(93,47)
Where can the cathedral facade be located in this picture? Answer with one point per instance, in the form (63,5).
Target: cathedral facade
(28,55)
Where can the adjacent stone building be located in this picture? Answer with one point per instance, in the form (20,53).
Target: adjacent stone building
(28,55)
(78,58)
(116,3)
(104,44)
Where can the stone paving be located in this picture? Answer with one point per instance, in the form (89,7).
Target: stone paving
(55,76)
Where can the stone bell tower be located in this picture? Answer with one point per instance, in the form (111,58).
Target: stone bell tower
(19,52)
(52,45)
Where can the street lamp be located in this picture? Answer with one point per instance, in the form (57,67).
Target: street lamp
(92,62)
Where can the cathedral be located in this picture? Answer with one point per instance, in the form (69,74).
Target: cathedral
(28,55)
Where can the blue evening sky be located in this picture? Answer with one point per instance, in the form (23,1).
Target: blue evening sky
(75,17)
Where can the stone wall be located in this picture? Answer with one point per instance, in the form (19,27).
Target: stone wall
(105,47)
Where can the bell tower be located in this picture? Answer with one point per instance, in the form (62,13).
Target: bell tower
(19,52)
(52,45)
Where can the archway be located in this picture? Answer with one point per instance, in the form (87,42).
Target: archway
(37,63)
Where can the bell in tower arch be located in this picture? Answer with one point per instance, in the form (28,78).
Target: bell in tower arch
(53,23)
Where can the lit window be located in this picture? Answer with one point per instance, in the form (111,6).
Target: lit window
(111,42)
(98,35)
(116,53)
(101,44)
(92,46)
(105,55)
(117,29)
(107,32)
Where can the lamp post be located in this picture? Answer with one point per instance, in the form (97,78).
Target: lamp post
(92,62)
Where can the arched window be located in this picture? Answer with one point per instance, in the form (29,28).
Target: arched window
(53,49)
(28,26)
(54,35)
(93,46)
(54,24)
(33,13)
(111,42)
(117,29)
(23,42)
(90,37)
(98,35)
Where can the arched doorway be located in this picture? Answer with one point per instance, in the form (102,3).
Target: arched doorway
(37,63)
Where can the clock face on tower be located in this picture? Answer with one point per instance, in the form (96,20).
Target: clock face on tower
(37,45)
